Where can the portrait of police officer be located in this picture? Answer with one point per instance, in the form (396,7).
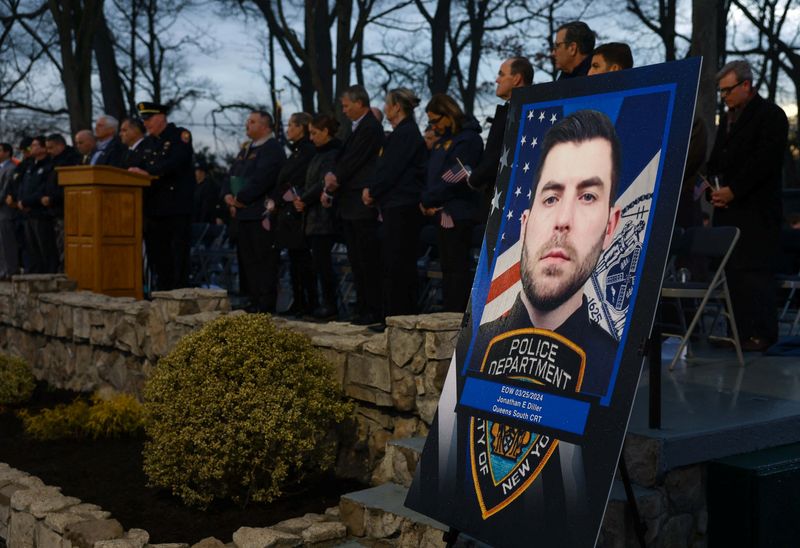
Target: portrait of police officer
(570,221)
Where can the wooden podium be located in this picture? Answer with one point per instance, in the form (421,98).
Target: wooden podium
(103,228)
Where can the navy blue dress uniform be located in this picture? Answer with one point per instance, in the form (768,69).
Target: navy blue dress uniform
(458,202)
(257,165)
(353,169)
(598,346)
(396,188)
(68,157)
(289,228)
(748,157)
(168,201)
(40,236)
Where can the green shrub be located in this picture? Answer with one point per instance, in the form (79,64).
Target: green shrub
(119,415)
(16,380)
(237,410)
(62,421)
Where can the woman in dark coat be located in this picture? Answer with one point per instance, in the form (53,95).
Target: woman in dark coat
(320,222)
(395,189)
(289,222)
(448,196)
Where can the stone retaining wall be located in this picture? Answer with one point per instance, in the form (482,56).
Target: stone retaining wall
(35,515)
(84,341)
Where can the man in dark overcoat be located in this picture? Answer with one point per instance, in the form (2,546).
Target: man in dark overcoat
(747,164)
(347,181)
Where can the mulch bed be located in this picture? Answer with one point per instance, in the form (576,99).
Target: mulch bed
(109,473)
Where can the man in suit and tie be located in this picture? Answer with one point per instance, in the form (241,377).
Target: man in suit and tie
(131,133)
(85,145)
(346,182)
(109,148)
(747,161)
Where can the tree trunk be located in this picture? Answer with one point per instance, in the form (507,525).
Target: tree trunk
(344,48)
(439,82)
(110,81)
(705,43)
(76,22)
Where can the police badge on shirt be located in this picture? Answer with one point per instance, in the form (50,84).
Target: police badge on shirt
(506,458)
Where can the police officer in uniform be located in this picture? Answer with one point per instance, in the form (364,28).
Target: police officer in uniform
(254,175)
(570,222)
(168,155)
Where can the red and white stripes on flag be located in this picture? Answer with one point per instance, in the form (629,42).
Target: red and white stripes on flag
(505,285)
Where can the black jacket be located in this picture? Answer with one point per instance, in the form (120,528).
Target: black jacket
(207,204)
(259,166)
(599,347)
(111,155)
(319,220)
(581,70)
(170,158)
(399,176)
(484,175)
(69,157)
(32,188)
(749,160)
(457,199)
(133,157)
(354,167)
(289,222)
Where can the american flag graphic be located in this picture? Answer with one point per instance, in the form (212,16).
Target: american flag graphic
(505,283)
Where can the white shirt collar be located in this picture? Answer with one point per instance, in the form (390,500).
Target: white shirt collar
(356,122)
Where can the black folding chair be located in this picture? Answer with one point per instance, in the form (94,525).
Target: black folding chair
(715,244)
(788,273)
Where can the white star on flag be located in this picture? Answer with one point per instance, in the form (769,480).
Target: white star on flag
(530,114)
(525,168)
(496,200)
(524,140)
(529,194)
(518,191)
(553,118)
(503,236)
(541,116)
(510,215)
(534,142)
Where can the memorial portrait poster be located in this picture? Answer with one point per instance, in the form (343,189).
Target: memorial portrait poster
(533,413)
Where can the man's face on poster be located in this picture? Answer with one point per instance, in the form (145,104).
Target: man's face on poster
(570,222)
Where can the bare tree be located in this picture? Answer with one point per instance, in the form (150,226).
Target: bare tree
(150,53)
(75,22)
(25,42)
(660,16)
(708,41)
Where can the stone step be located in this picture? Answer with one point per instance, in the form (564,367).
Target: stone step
(378,513)
(399,462)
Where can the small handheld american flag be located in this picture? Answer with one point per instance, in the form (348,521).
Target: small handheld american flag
(456,174)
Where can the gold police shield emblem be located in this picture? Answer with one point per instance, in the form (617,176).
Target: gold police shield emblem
(506,459)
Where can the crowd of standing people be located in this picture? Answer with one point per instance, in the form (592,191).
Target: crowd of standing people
(374,190)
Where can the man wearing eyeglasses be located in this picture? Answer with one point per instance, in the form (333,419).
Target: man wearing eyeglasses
(572,49)
(746,166)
